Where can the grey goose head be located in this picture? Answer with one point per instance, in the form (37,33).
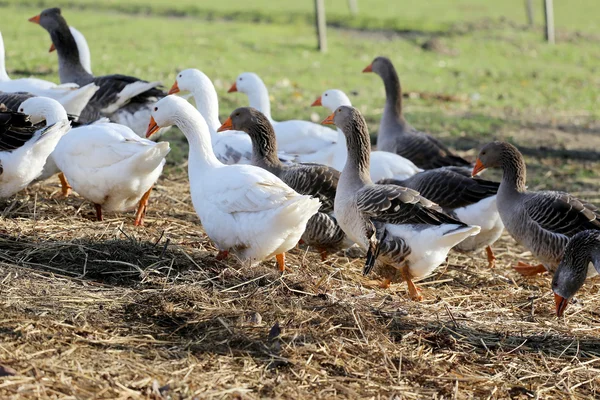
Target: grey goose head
(582,249)
(63,42)
(349,120)
(505,156)
(382,66)
(246,119)
(50,19)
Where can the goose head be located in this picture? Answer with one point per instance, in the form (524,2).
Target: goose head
(494,155)
(50,19)
(246,119)
(574,268)
(332,99)
(380,65)
(43,108)
(189,80)
(350,121)
(173,110)
(247,82)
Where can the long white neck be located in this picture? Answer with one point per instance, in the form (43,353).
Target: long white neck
(201,154)
(259,99)
(3,75)
(207,103)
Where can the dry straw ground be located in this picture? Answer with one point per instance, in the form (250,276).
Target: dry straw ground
(108,311)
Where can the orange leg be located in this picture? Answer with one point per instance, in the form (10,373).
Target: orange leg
(66,188)
(281,261)
(491,257)
(323,254)
(98,212)
(141,211)
(223,254)
(528,269)
(413,291)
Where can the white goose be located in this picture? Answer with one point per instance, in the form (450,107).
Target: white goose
(111,166)
(24,147)
(71,96)
(293,136)
(384,165)
(243,209)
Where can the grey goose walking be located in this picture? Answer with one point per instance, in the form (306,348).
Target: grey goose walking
(396,225)
(541,221)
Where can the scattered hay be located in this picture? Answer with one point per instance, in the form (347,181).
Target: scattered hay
(106,310)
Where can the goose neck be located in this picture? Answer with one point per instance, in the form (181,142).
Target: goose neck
(356,171)
(514,173)
(201,154)
(264,146)
(3,75)
(393,92)
(69,63)
(259,99)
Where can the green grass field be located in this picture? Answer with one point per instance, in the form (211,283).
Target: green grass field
(511,85)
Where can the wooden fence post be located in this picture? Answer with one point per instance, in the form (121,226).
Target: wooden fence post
(549,14)
(353,6)
(529,9)
(321,25)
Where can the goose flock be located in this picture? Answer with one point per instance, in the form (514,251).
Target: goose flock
(260,187)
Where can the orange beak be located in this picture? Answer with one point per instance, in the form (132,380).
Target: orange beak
(52,48)
(227,125)
(174,89)
(369,68)
(561,305)
(152,127)
(329,120)
(35,20)
(233,88)
(317,102)
(478,167)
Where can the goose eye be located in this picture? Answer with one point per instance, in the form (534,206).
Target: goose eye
(155,108)
(325,94)
(180,75)
(21,110)
(241,79)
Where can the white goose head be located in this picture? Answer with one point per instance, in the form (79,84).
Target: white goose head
(190,80)
(332,99)
(43,108)
(252,86)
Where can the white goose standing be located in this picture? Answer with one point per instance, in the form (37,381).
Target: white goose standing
(111,166)
(243,209)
